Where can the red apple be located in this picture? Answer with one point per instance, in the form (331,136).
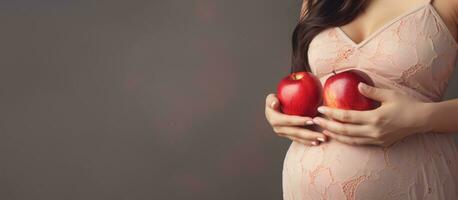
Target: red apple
(299,93)
(341,91)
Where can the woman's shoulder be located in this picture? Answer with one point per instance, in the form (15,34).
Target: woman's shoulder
(448,9)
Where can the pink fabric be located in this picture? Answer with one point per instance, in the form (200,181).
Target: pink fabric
(414,53)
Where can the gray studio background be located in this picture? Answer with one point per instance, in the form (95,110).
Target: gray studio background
(142,99)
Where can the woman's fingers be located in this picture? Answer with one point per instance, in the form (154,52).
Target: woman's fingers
(348,139)
(303,141)
(342,128)
(374,93)
(276,118)
(350,116)
(272,102)
(301,133)
(279,119)
(290,126)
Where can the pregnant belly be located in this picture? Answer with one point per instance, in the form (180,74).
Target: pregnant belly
(419,167)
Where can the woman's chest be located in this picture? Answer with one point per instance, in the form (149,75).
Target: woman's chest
(416,51)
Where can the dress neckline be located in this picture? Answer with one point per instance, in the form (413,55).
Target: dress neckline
(384,27)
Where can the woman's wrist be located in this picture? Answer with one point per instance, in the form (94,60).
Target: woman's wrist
(440,117)
(427,113)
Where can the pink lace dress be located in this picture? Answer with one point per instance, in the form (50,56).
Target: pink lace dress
(414,53)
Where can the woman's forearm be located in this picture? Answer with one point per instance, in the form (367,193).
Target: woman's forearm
(443,116)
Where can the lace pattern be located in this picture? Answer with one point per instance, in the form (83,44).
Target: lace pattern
(415,55)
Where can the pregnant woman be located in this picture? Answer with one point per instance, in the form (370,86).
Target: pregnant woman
(405,148)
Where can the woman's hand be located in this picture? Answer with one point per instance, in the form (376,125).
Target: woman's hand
(398,116)
(290,126)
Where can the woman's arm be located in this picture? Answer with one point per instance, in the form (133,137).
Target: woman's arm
(398,116)
(443,116)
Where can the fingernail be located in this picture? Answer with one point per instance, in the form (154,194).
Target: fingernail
(320,139)
(273,104)
(316,121)
(314,143)
(310,122)
(362,86)
(322,109)
(325,132)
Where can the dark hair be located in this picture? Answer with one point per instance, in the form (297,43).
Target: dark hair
(319,15)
